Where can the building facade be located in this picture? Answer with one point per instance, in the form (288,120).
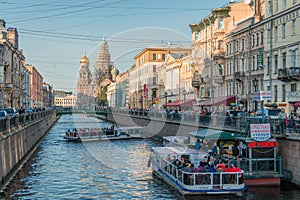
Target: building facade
(36,87)
(208,55)
(282,40)
(12,63)
(66,101)
(244,58)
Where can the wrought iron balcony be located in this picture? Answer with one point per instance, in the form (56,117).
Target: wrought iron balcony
(239,75)
(289,74)
(198,83)
(219,79)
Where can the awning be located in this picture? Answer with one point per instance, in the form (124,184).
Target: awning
(182,103)
(216,134)
(297,104)
(218,101)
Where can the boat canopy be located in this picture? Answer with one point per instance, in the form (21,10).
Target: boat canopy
(217,134)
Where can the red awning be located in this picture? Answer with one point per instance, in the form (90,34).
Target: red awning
(182,103)
(218,101)
(297,104)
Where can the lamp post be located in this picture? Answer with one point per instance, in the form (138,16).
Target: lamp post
(166,99)
(184,95)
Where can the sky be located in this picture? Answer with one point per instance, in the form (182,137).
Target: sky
(54,34)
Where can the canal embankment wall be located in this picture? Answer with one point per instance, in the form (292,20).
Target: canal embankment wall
(289,147)
(19,140)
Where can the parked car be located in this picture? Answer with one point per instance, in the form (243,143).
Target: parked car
(3,113)
(11,112)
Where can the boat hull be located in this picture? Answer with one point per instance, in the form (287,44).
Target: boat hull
(205,189)
(255,181)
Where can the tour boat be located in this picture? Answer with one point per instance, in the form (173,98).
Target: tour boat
(258,156)
(102,134)
(193,183)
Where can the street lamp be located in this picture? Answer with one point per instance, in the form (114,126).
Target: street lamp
(166,98)
(184,95)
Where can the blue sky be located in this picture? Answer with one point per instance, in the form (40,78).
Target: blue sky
(54,34)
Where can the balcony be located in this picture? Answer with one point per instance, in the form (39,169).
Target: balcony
(289,74)
(198,83)
(218,53)
(219,79)
(239,76)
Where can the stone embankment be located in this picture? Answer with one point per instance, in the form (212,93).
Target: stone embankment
(19,137)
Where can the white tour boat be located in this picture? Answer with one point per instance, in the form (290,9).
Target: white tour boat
(102,134)
(193,183)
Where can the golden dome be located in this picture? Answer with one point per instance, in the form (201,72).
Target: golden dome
(84,59)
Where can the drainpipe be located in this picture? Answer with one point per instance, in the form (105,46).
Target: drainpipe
(249,67)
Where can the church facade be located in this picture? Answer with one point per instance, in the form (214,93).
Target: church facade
(92,85)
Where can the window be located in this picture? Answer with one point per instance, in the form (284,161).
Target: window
(294,87)
(154,80)
(253,63)
(227,50)
(221,23)
(257,39)
(269,7)
(283,31)
(276,33)
(269,65)
(196,36)
(294,1)
(262,38)
(294,27)
(163,56)
(283,93)
(284,60)
(237,46)
(154,68)
(154,56)
(284,4)
(275,93)
(275,64)
(294,58)
(243,44)
(253,40)
(276,5)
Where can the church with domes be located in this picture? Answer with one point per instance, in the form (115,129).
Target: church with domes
(92,86)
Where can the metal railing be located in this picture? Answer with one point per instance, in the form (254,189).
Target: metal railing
(237,124)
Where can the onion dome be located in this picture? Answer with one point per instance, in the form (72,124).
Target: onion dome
(114,71)
(84,59)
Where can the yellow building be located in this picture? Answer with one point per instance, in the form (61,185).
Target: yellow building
(145,83)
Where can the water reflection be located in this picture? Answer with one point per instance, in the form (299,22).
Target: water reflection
(102,170)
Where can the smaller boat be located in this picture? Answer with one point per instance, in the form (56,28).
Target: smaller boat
(72,136)
(191,182)
(103,134)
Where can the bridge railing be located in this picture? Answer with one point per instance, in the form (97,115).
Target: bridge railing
(9,123)
(238,123)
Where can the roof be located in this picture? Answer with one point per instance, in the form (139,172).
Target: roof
(216,134)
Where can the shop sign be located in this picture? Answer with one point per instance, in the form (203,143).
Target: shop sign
(260,132)
(262,144)
(262,95)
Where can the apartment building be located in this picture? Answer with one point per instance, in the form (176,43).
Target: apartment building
(282,39)
(244,59)
(208,55)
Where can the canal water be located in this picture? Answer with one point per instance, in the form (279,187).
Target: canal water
(102,170)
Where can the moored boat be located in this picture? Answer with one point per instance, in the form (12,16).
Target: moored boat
(257,155)
(191,182)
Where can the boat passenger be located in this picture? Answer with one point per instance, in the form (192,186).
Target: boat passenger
(197,144)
